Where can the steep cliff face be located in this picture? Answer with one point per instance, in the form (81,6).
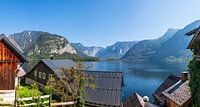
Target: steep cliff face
(84,50)
(42,43)
(115,51)
(51,44)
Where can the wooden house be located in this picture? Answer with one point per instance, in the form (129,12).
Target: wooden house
(108,84)
(45,69)
(10,61)
(158,96)
(178,95)
(194,44)
(137,101)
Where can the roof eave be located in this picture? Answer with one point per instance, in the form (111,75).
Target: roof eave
(23,58)
(196,33)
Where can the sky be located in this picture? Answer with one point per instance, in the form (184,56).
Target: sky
(98,22)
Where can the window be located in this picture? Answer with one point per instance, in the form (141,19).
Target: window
(50,76)
(40,75)
(44,75)
(35,73)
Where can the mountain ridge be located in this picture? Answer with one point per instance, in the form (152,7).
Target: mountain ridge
(174,49)
(144,50)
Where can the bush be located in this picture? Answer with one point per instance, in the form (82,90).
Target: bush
(194,69)
(47,90)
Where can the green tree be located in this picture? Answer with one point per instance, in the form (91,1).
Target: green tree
(194,69)
(72,83)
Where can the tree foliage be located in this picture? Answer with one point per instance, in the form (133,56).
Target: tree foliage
(71,84)
(194,69)
(28,91)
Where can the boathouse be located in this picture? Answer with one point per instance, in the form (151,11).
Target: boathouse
(108,84)
(10,61)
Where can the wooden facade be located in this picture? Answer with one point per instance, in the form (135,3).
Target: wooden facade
(8,66)
(195,42)
(170,103)
(10,60)
(108,84)
(40,73)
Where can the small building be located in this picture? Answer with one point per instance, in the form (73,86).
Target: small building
(158,96)
(108,84)
(10,61)
(137,101)
(178,95)
(45,69)
(195,42)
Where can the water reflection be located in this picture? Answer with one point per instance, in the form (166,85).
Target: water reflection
(141,77)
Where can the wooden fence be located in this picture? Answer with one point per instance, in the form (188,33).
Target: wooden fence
(44,103)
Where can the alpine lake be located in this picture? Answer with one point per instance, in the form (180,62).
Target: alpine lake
(143,78)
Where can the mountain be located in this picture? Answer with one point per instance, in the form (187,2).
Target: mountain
(115,51)
(43,44)
(171,47)
(83,50)
(146,49)
(175,48)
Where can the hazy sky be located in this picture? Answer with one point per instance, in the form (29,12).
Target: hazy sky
(98,22)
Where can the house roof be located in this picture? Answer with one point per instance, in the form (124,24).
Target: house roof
(179,92)
(137,101)
(108,84)
(108,88)
(194,32)
(56,65)
(171,80)
(10,44)
(12,40)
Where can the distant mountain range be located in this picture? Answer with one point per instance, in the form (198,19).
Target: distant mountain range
(172,46)
(115,51)
(84,50)
(38,44)
(146,49)
(169,47)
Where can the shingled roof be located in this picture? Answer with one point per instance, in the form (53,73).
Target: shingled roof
(108,84)
(137,101)
(13,48)
(179,93)
(159,97)
(194,32)
(108,89)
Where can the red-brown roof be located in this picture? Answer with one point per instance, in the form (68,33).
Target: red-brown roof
(179,92)
(159,97)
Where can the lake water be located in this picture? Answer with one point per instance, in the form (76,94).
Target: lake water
(143,78)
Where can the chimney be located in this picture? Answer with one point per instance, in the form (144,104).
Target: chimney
(184,76)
